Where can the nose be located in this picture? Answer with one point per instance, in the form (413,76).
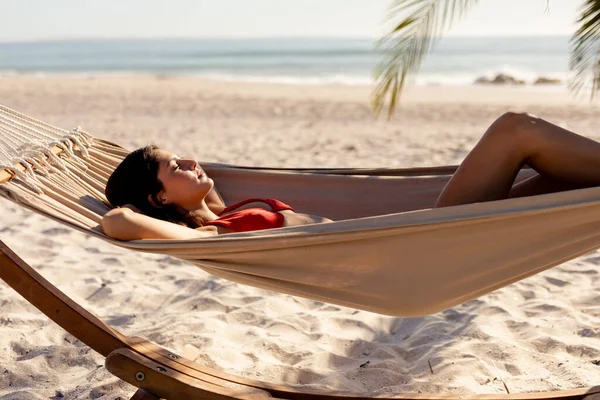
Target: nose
(192,164)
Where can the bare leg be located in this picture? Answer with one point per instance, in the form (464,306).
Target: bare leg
(539,184)
(562,158)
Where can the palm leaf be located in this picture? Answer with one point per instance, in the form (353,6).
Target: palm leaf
(585,49)
(405,46)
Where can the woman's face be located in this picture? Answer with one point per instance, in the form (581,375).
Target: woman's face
(184,182)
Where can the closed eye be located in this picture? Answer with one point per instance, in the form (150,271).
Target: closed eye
(176,164)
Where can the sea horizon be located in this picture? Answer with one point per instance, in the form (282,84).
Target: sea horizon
(454,60)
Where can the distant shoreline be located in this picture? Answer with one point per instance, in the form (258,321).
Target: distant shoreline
(286,80)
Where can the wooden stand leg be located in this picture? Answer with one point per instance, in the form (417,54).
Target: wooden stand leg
(163,381)
(143,395)
(190,352)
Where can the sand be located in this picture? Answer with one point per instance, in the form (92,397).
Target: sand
(538,334)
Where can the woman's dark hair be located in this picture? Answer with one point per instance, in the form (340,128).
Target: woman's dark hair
(136,179)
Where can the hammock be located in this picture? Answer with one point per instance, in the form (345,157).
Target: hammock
(388,252)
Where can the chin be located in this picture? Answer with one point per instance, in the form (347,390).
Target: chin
(207,186)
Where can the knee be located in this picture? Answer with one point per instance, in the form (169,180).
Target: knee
(513,119)
(515,124)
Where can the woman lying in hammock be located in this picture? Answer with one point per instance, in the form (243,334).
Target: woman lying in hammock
(163,196)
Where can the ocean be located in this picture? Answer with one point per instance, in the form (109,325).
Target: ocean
(453,61)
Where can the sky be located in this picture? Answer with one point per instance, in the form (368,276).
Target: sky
(30,20)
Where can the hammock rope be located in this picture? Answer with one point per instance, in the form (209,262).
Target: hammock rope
(28,142)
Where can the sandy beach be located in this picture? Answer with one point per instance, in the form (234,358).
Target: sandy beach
(535,335)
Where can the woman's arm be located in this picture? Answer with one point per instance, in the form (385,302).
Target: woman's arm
(126,224)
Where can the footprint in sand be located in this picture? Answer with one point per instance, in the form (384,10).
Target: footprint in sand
(111,261)
(56,231)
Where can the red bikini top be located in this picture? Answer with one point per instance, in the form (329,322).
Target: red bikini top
(252,219)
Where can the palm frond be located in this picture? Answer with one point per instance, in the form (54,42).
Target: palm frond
(585,49)
(405,46)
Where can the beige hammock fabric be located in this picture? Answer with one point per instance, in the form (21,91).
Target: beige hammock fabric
(388,252)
